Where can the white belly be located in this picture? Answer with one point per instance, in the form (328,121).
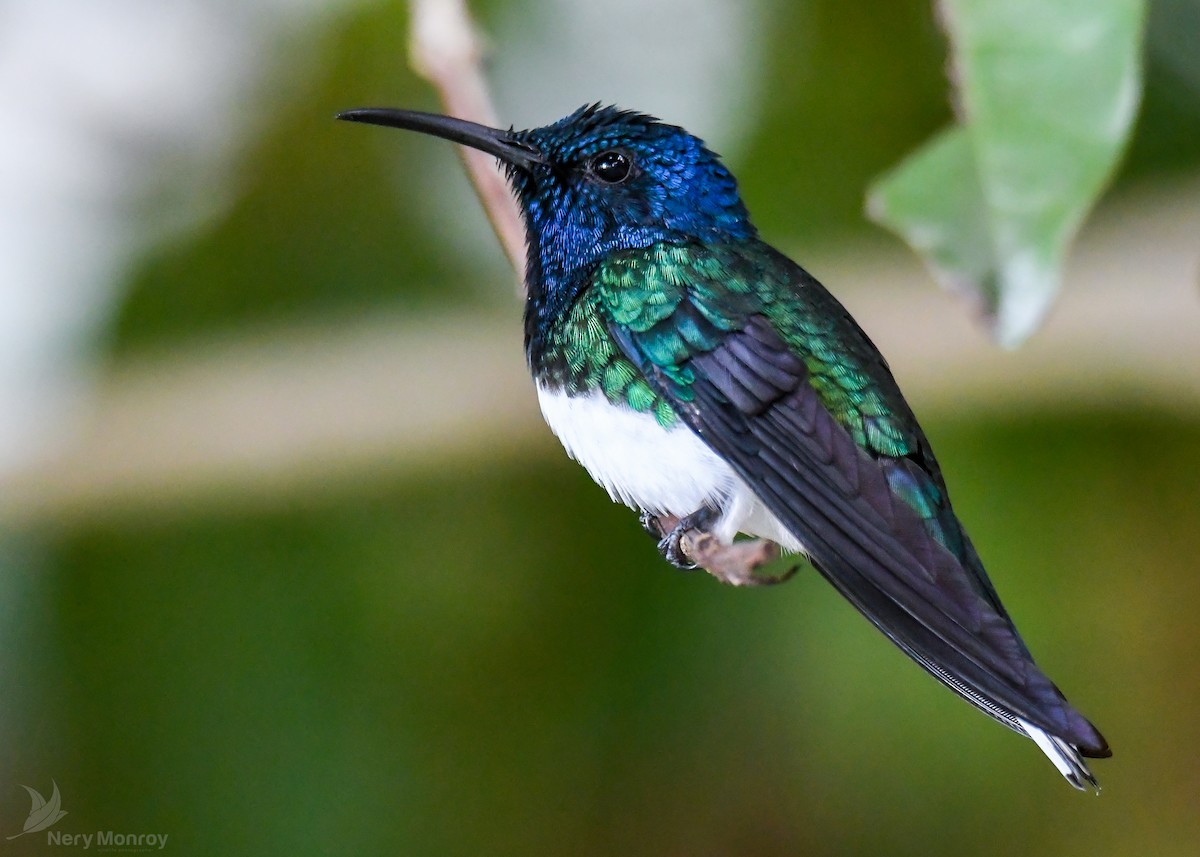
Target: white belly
(663,471)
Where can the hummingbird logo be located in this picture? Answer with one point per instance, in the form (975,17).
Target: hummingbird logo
(44,813)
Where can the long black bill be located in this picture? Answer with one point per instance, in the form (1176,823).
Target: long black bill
(490,140)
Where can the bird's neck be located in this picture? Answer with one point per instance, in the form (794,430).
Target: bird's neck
(559,267)
(564,249)
(552,290)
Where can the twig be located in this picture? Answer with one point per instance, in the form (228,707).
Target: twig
(735,564)
(445,50)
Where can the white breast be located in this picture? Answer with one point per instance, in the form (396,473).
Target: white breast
(663,471)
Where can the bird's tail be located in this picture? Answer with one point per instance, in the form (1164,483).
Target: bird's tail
(1068,758)
(1065,756)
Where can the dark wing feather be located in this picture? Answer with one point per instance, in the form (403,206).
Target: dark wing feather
(751,399)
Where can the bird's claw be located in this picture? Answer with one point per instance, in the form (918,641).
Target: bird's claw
(671,547)
(671,531)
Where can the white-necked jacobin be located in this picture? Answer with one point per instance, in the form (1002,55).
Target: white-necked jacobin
(698,373)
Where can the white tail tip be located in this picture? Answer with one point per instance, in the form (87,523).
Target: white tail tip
(1065,757)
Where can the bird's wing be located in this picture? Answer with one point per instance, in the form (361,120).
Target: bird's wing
(743,370)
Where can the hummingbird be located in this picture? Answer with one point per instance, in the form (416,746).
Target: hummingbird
(709,382)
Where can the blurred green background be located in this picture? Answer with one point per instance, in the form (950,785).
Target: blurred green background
(436,647)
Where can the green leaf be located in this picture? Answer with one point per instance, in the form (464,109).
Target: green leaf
(935,201)
(1047,91)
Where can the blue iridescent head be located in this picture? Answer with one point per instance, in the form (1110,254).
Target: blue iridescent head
(612,179)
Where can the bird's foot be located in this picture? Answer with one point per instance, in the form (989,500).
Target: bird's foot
(670,532)
(686,543)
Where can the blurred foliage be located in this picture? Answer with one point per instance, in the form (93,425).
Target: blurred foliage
(493,660)
(497,663)
(1047,96)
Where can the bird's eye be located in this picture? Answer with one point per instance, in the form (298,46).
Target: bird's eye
(611,167)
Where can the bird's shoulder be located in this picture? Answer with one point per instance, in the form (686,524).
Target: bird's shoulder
(682,300)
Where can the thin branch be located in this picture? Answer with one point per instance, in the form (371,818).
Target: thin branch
(736,564)
(445,50)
